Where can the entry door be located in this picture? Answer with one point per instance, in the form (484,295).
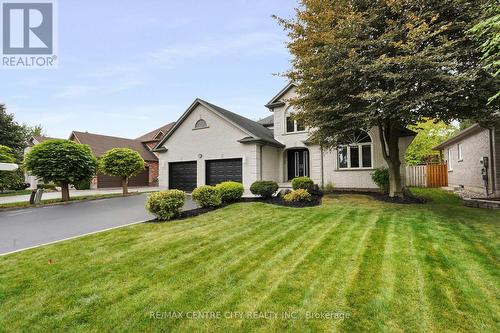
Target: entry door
(298,163)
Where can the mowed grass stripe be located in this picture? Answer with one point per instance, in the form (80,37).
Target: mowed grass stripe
(446,286)
(310,277)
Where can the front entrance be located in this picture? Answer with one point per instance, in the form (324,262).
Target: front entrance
(298,163)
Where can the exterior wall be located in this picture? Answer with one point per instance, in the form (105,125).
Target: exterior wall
(496,152)
(270,163)
(327,161)
(218,141)
(467,172)
(153,173)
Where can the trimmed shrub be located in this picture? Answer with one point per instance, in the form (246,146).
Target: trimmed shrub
(166,205)
(207,196)
(230,191)
(264,188)
(381,177)
(299,195)
(303,183)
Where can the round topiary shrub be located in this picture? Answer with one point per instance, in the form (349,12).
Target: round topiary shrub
(166,205)
(299,195)
(230,191)
(207,196)
(381,177)
(303,183)
(264,188)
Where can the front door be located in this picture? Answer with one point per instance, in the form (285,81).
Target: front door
(298,163)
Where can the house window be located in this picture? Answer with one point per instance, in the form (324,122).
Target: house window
(450,159)
(358,154)
(293,125)
(460,152)
(200,124)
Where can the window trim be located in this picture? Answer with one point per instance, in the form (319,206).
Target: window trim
(360,155)
(460,150)
(288,114)
(199,128)
(450,159)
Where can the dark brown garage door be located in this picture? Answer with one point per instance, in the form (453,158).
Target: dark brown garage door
(182,176)
(105,181)
(219,171)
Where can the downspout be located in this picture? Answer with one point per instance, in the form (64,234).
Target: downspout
(322,171)
(261,146)
(492,163)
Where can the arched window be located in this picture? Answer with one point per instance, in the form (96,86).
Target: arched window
(358,154)
(291,124)
(200,124)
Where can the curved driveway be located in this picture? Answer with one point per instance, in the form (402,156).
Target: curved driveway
(22,229)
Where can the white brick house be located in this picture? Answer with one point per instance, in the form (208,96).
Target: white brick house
(209,144)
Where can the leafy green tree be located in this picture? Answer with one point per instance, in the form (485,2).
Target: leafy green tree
(12,134)
(488,31)
(387,64)
(123,163)
(430,134)
(9,179)
(63,162)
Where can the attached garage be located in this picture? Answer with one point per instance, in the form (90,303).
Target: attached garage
(182,176)
(140,180)
(218,171)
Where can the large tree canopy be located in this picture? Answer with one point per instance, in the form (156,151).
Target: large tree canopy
(63,162)
(386,64)
(12,134)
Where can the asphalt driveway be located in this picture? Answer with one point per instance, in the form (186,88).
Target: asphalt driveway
(26,228)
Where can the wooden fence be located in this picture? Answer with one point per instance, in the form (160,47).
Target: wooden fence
(430,175)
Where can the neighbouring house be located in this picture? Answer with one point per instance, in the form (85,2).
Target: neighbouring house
(102,143)
(34,140)
(209,144)
(465,155)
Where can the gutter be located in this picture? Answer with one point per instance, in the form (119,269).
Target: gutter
(492,162)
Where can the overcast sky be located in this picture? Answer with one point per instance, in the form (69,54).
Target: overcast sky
(127,67)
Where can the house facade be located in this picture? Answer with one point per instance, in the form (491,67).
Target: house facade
(466,154)
(209,144)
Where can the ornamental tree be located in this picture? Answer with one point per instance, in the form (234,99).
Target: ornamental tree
(63,162)
(388,64)
(123,163)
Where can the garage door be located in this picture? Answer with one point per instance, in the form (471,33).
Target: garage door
(182,176)
(141,179)
(219,171)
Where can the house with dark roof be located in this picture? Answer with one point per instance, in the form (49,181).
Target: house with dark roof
(101,143)
(473,160)
(209,144)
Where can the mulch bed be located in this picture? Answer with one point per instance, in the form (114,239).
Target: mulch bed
(408,199)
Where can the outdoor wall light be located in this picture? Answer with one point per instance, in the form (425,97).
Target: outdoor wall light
(200,155)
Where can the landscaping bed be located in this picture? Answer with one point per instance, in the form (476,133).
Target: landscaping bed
(409,198)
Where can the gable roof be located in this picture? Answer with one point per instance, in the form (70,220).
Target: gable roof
(154,134)
(460,135)
(38,139)
(276,100)
(255,131)
(102,143)
(267,121)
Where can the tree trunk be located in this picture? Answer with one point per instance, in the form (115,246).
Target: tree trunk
(65,191)
(125,185)
(389,138)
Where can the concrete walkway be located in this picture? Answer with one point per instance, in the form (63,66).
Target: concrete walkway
(77,193)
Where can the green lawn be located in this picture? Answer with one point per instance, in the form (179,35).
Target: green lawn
(385,267)
(15,193)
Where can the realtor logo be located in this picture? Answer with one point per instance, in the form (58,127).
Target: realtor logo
(28,34)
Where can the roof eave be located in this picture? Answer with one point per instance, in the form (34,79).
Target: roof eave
(262,142)
(461,135)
